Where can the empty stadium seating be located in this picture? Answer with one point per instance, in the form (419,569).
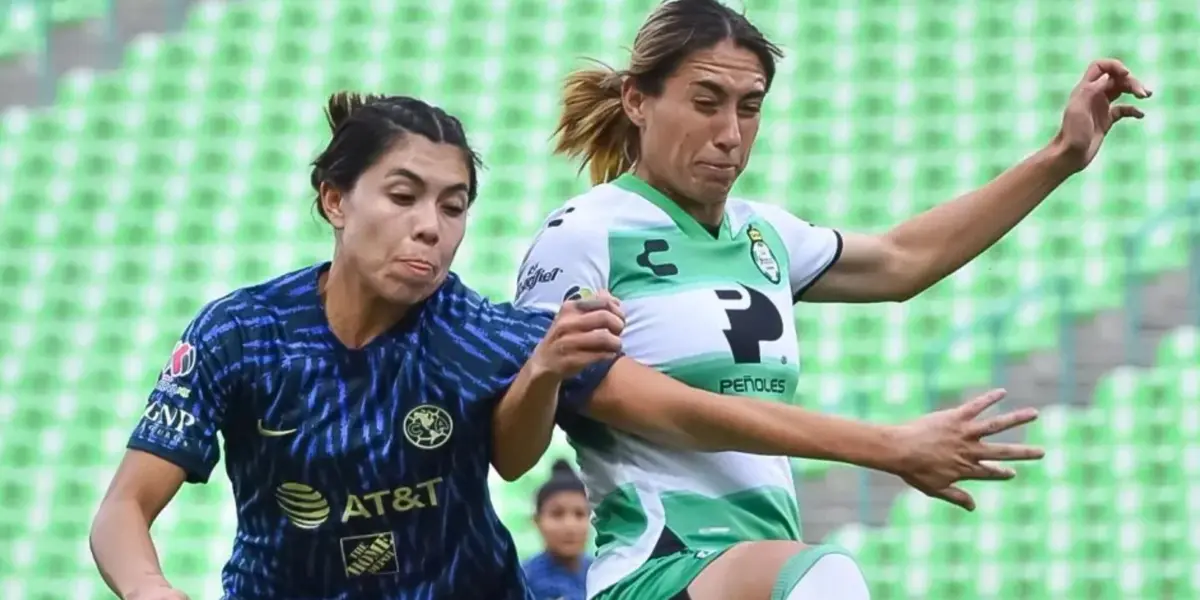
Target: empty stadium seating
(147,190)
(23,23)
(1110,513)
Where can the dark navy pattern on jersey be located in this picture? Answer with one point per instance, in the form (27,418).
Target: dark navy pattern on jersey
(357,473)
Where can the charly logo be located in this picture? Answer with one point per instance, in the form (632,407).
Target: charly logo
(763,257)
(428,426)
(534,275)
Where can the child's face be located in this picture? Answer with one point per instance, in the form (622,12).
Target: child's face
(563,523)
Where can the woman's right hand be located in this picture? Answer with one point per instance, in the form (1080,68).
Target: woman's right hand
(585,330)
(945,447)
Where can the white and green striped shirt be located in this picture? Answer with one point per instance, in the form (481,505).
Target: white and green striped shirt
(711,310)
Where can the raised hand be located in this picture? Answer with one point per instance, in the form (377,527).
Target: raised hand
(946,447)
(1091,112)
(585,331)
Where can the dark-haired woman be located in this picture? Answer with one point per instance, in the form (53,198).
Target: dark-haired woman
(561,516)
(352,395)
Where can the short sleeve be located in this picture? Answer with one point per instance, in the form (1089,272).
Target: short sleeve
(812,250)
(567,260)
(518,332)
(187,406)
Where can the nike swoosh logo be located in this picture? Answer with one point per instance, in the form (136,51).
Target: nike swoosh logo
(273,432)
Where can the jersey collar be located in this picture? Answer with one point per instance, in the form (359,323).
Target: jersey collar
(687,223)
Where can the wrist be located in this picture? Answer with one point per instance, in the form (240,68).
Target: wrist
(541,374)
(897,449)
(1060,158)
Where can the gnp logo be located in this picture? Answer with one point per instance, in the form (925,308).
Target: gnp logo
(183,361)
(168,416)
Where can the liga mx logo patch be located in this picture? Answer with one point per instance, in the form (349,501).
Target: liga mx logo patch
(183,361)
(762,255)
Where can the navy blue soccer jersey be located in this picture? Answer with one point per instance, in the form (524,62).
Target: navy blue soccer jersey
(550,579)
(357,473)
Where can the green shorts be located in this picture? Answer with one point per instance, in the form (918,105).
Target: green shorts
(664,577)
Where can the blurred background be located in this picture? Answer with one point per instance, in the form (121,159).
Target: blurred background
(153,155)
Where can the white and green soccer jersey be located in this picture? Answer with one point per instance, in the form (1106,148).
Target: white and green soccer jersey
(712,309)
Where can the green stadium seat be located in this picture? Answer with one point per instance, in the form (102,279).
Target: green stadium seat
(147,190)
(1106,514)
(21,21)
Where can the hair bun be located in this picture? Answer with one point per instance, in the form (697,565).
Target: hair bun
(562,467)
(343,104)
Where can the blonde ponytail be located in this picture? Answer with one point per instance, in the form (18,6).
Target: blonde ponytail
(594,128)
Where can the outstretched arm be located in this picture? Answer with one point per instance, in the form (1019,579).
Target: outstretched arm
(931,454)
(640,400)
(918,253)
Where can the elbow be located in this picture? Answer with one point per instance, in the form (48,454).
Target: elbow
(509,473)
(903,292)
(906,273)
(95,533)
(511,467)
(97,522)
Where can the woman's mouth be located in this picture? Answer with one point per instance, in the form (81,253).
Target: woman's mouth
(418,266)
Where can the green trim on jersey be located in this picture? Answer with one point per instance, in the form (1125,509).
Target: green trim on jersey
(619,519)
(762,513)
(687,223)
(662,260)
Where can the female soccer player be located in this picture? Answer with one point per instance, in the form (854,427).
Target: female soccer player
(707,283)
(358,398)
(561,514)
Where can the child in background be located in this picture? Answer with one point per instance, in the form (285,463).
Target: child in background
(560,572)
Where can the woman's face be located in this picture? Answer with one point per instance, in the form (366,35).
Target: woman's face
(405,217)
(563,523)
